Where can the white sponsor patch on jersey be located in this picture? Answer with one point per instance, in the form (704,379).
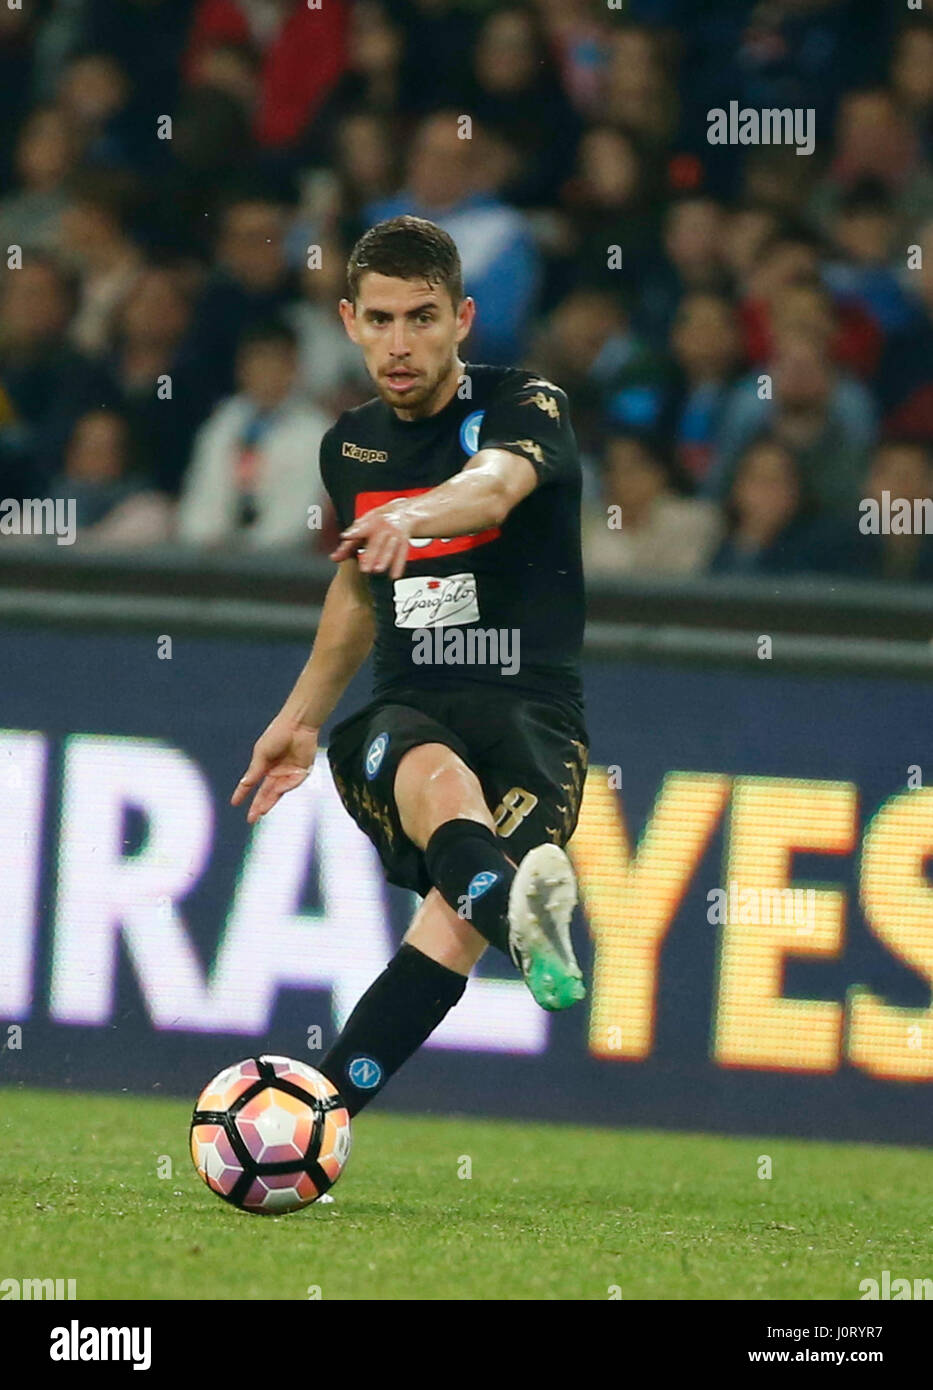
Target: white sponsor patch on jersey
(436,600)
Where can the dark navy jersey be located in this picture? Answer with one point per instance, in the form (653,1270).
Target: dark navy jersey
(524,577)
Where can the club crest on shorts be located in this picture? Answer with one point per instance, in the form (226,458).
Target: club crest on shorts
(480,883)
(364,1073)
(469,431)
(375,754)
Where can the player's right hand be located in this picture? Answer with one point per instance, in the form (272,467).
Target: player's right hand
(282,759)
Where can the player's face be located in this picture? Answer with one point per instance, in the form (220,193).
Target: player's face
(409,332)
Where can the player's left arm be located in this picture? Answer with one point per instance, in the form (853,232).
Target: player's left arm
(481,495)
(526,441)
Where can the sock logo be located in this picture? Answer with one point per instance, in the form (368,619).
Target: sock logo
(364,1073)
(375,754)
(479,883)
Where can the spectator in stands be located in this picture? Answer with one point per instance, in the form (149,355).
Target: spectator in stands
(151,379)
(96,238)
(211,144)
(232,68)
(780,260)
(875,140)
(706,347)
(900,547)
(115,506)
(610,203)
(302,56)
(365,165)
(905,377)
(769,525)
(44,384)
(639,94)
(912,78)
(789,261)
(331,372)
(500,260)
(514,90)
(250,282)
(693,259)
(96,95)
(254,478)
(45,155)
(825,418)
(581,43)
(589,347)
(371,83)
(848,334)
(644,526)
(863,273)
(296,126)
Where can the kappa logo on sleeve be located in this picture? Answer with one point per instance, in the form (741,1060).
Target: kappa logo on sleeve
(544,402)
(424,547)
(525,446)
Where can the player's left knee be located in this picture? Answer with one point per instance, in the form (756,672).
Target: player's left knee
(435,787)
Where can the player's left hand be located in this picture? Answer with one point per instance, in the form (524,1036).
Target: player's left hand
(379,539)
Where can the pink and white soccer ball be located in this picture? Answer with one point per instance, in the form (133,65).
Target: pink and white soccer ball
(270,1135)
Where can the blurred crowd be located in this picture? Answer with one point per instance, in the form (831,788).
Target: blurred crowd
(745,333)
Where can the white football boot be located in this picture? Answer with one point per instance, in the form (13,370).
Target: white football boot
(541,903)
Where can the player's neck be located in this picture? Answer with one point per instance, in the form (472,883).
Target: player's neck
(442,396)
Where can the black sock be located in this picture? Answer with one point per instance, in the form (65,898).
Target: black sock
(400,1009)
(472,875)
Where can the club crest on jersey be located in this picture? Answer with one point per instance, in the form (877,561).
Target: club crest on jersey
(469,431)
(375,754)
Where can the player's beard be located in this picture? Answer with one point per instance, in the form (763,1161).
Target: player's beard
(423,391)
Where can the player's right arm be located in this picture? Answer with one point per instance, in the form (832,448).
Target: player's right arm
(283,754)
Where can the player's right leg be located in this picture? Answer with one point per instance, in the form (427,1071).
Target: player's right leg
(525,911)
(443,935)
(442,838)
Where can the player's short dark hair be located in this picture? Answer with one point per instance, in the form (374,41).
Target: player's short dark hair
(407,248)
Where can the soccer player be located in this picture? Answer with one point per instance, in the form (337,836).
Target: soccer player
(458,491)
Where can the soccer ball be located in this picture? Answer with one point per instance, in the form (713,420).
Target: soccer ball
(270,1135)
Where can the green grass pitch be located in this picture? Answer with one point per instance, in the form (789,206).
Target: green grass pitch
(550,1212)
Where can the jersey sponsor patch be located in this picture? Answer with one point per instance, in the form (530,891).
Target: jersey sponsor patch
(430,600)
(423,547)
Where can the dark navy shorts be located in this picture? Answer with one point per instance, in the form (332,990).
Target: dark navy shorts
(529,755)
